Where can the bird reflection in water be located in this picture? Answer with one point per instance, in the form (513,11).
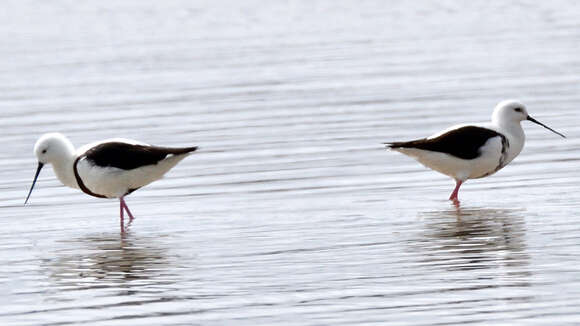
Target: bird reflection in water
(109,260)
(477,238)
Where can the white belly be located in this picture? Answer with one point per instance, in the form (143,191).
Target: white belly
(461,169)
(114,182)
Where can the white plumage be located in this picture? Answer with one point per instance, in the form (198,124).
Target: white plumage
(471,151)
(111,168)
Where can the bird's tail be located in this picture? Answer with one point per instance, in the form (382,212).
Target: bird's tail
(180,150)
(396,144)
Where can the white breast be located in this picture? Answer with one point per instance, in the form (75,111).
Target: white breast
(114,182)
(487,163)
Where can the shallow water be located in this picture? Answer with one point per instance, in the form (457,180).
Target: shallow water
(291,213)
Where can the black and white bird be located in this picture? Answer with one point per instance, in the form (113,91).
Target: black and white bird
(472,151)
(112,168)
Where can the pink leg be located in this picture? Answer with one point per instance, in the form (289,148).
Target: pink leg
(455,193)
(124,205)
(121,206)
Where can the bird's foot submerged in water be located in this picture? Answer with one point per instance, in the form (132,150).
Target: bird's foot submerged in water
(123,208)
(455,194)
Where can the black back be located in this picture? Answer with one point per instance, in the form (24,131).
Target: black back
(127,156)
(464,142)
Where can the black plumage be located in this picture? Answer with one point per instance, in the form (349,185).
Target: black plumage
(464,142)
(128,156)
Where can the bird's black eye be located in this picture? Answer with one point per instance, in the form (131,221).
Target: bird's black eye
(518,109)
(44,151)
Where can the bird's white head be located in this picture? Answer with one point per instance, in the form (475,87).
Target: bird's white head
(51,148)
(511,112)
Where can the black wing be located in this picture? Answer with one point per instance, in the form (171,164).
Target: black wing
(464,142)
(127,156)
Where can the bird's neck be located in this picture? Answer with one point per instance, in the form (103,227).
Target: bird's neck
(516,137)
(511,127)
(63,168)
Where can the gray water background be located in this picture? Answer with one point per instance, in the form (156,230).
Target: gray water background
(291,213)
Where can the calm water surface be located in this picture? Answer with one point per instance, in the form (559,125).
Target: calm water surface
(291,213)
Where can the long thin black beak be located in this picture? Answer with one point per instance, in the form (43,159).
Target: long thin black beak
(40,165)
(543,125)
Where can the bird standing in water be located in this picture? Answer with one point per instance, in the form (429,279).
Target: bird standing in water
(111,168)
(472,151)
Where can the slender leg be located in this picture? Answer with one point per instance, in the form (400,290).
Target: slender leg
(455,193)
(124,205)
(121,206)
